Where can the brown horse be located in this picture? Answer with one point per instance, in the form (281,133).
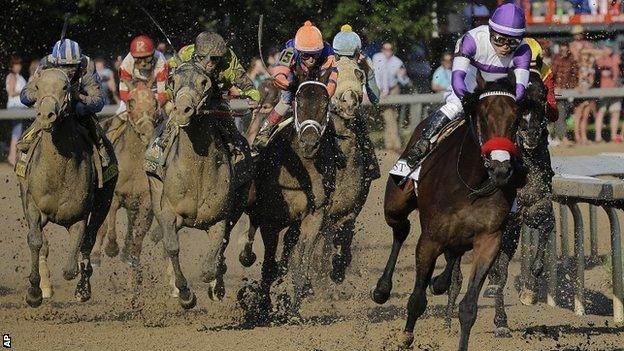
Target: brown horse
(464,196)
(61,185)
(130,137)
(295,176)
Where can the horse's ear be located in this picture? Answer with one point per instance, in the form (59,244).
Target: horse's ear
(480,81)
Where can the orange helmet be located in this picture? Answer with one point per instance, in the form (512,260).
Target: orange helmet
(141,46)
(309,39)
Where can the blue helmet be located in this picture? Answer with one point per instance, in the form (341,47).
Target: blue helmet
(347,42)
(66,52)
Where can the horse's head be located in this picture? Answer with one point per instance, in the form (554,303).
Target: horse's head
(142,107)
(311,115)
(53,96)
(349,93)
(533,123)
(493,117)
(191,88)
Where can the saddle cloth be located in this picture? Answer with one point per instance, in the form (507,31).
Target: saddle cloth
(103,175)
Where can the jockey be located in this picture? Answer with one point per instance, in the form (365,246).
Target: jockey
(491,50)
(86,96)
(146,64)
(543,69)
(305,57)
(221,64)
(348,44)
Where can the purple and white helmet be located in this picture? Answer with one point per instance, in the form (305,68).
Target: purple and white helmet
(508,19)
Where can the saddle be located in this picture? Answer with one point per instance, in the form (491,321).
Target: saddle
(401,170)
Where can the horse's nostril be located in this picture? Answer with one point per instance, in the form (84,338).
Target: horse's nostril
(51,114)
(187,109)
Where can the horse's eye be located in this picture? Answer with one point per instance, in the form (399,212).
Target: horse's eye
(65,87)
(204,82)
(36,87)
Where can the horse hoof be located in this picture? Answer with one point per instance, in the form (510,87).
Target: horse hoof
(380,297)
(216,290)
(34,297)
(491,291)
(434,287)
(247,258)
(96,260)
(71,274)
(337,275)
(47,293)
(189,301)
(406,341)
(112,249)
(502,332)
(83,293)
(528,297)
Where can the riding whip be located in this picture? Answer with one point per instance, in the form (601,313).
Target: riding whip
(65,22)
(175,52)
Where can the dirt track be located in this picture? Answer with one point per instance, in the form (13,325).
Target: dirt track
(343,319)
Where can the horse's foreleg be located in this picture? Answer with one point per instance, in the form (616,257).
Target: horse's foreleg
(141,226)
(44,270)
(398,204)
(214,266)
(485,249)
(291,238)
(35,242)
(427,253)
(247,257)
(112,248)
(77,233)
(343,239)
(171,242)
(541,217)
(304,257)
(441,283)
(270,270)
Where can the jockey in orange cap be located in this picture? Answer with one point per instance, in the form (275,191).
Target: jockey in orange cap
(306,53)
(146,64)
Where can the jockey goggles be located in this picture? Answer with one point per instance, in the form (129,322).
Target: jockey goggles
(144,60)
(307,56)
(208,58)
(501,40)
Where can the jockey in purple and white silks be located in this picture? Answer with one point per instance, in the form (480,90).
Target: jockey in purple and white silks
(493,51)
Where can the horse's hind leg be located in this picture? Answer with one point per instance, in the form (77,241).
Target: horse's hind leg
(44,270)
(35,241)
(398,204)
(440,284)
(485,249)
(139,226)
(247,257)
(453,291)
(112,248)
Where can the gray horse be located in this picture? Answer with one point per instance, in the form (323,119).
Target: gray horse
(197,189)
(61,186)
(130,137)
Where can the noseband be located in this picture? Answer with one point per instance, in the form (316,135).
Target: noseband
(300,127)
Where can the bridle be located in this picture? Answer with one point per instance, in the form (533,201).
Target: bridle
(185,90)
(488,187)
(318,128)
(62,104)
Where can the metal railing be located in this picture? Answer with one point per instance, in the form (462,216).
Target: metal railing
(416,102)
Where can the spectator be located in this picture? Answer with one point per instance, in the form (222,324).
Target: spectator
(389,74)
(584,107)
(107,81)
(565,73)
(164,49)
(475,14)
(14,85)
(442,76)
(256,72)
(608,65)
(419,69)
(116,65)
(579,43)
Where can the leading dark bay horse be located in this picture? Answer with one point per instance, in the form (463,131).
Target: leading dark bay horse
(60,185)
(295,177)
(465,192)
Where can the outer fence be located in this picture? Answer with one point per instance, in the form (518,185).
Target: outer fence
(568,191)
(415,101)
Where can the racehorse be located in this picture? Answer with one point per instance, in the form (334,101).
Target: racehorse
(61,185)
(465,191)
(197,187)
(295,177)
(130,134)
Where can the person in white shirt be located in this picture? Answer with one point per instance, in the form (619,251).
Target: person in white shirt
(14,85)
(390,73)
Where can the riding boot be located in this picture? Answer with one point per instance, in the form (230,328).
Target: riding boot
(436,121)
(96,135)
(267,129)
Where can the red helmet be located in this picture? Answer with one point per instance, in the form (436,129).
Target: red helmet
(141,46)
